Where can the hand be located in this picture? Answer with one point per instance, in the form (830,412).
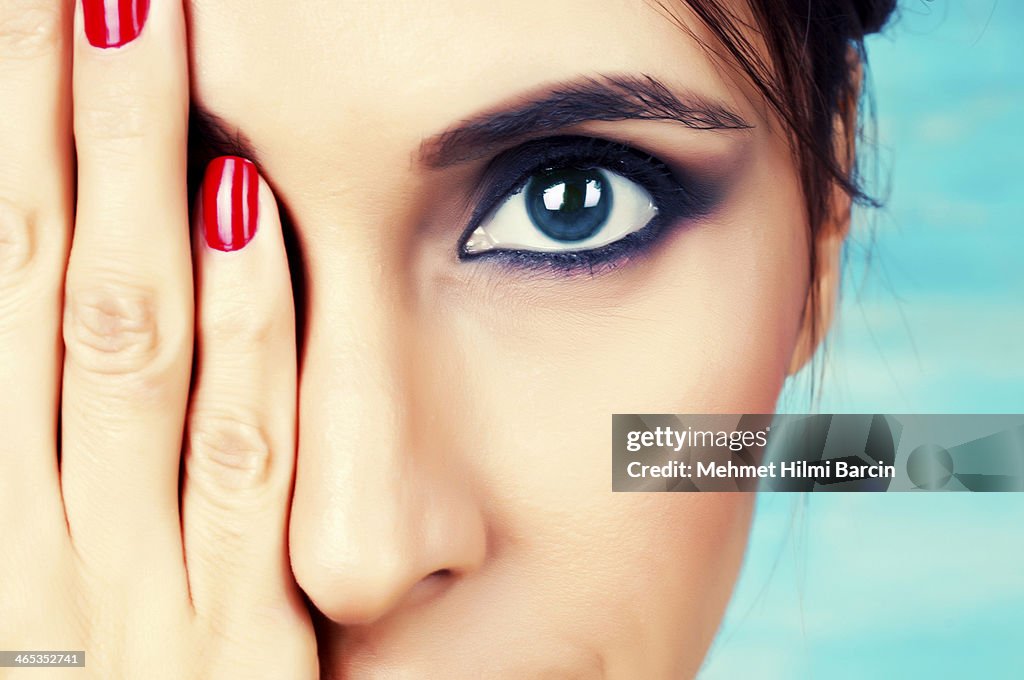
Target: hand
(97,552)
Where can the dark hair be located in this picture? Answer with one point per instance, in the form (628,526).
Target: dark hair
(810,77)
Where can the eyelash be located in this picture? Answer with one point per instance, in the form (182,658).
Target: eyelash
(677,196)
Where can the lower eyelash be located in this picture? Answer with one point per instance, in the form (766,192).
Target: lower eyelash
(593,262)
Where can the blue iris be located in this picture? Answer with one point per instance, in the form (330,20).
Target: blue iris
(568,204)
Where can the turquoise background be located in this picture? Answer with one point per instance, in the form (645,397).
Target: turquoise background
(931,321)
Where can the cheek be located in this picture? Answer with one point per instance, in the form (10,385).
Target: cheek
(706,324)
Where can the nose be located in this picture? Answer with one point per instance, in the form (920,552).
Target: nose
(383,515)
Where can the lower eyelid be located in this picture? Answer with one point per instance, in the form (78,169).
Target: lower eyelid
(599,261)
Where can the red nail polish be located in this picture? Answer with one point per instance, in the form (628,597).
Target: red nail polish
(230,207)
(113,23)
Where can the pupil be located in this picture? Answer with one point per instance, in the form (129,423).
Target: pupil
(568,204)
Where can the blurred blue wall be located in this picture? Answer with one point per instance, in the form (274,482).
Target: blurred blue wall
(931,320)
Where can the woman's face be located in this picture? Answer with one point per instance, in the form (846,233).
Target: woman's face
(453,514)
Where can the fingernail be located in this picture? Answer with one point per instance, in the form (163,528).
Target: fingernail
(113,23)
(229,204)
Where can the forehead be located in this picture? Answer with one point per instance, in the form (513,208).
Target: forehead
(399,71)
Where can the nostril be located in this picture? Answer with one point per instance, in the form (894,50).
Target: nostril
(436,581)
(431,586)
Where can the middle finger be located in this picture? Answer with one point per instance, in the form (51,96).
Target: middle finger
(128,308)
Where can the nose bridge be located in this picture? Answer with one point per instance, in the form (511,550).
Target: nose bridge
(372,516)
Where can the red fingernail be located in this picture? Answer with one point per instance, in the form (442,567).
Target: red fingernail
(230,207)
(113,23)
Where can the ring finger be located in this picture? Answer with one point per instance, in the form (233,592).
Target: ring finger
(35,217)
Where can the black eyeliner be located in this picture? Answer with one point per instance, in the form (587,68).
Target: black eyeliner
(677,195)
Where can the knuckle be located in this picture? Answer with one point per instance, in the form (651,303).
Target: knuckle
(227,452)
(117,122)
(119,118)
(16,242)
(112,329)
(240,325)
(29,28)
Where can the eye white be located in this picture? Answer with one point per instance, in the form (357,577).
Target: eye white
(509,227)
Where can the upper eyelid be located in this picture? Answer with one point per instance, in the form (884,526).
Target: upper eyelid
(514,180)
(569,148)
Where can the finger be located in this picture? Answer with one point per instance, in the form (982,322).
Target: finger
(128,303)
(240,446)
(35,214)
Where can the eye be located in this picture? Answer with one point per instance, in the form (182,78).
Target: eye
(565,209)
(572,202)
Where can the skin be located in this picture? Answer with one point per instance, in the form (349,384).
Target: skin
(429,473)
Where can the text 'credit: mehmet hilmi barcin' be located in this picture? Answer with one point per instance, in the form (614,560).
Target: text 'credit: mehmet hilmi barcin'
(669,438)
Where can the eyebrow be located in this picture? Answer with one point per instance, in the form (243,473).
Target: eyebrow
(602,98)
